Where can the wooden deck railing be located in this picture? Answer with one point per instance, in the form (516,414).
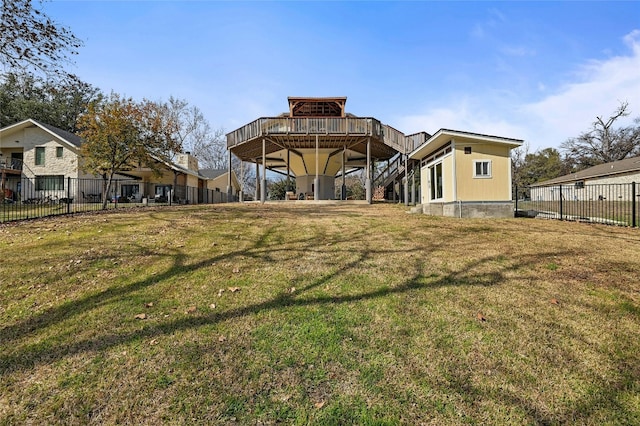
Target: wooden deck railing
(415,140)
(352,126)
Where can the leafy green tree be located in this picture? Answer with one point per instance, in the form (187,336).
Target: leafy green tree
(30,40)
(120,134)
(278,189)
(55,102)
(537,167)
(604,143)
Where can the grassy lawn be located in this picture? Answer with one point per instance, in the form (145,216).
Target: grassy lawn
(18,211)
(303,314)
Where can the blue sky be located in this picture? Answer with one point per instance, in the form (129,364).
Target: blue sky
(539,71)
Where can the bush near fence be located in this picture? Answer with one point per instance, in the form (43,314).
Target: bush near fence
(615,204)
(29,198)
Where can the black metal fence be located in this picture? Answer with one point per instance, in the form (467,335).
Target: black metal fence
(28,198)
(613,204)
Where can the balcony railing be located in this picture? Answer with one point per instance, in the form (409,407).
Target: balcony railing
(10,164)
(348,126)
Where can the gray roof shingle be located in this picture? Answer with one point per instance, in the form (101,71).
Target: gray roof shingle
(628,165)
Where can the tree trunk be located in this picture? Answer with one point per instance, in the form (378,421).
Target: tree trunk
(105,195)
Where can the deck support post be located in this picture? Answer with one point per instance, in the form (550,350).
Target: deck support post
(343,190)
(367,182)
(263,187)
(229,190)
(288,170)
(316,190)
(413,189)
(406,179)
(241,195)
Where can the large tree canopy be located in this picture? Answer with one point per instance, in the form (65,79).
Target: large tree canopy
(120,134)
(604,143)
(29,39)
(58,103)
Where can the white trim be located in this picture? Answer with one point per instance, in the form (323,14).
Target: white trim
(510,187)
(442,136)
(21,126)
(433,165)
(489,169)
(454,170)
(437,157)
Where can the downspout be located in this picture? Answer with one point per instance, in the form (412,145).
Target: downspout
(454,175)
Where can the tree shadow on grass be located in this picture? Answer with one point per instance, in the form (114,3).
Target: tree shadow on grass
(259,251)
(586,409)
(34,354)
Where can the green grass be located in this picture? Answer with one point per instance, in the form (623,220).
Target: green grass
(342,315)
(19,211)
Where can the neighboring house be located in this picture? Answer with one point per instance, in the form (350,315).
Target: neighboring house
(465,174)
(38,160)
(604,181)
(45,155)
(218,180)
(182,180)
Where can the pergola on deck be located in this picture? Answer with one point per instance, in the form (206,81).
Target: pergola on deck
(315,142)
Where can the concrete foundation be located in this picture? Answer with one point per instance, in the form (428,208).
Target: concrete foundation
(326,190)
(471,209)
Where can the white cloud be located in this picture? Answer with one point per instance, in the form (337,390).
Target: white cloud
(598,88)
(520,51)
(466,115)
(601,86)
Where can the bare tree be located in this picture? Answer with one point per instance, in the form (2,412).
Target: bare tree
(194,134)
(604,143)
(209,147)
(246,174)
(29,39)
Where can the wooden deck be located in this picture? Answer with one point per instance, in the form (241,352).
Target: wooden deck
(294,131)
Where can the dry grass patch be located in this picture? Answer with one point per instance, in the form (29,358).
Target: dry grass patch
(311,314)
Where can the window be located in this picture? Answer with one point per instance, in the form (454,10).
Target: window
(481,168)
(59,152)
(467,150)
(39,156)
(129,191)
(50,183)
(435,172)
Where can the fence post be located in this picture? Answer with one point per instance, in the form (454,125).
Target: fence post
(560,201)
(68,194)
(633,204)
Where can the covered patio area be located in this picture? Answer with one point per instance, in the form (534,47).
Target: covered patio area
(316,142)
